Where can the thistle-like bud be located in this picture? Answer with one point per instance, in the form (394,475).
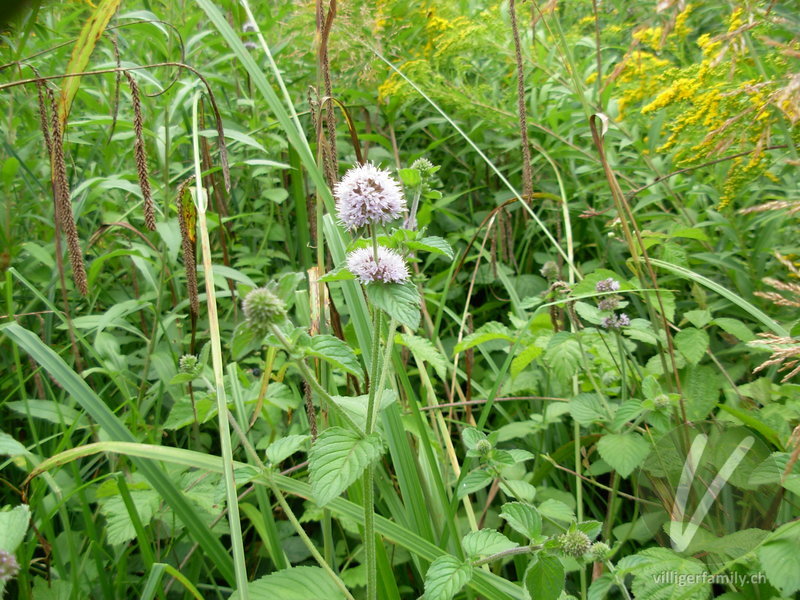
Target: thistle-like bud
(483,447)
(574,543)
(600,551)
(662,401)
(9,567)
(262,308)
(187,364)
(549,270)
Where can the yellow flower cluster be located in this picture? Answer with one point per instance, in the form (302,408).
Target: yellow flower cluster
(641,75)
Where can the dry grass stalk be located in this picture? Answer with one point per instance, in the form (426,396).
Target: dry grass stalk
(187,216)
(63,204)
(325,68)
(141,154)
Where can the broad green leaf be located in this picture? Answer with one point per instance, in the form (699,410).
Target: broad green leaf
(488,332)
(627,411)
(283,448)
(556,510)
(432,244)
(701,387)
(445,577)
(657,571)
(544,579)
(735,327)
(522,518)
(600,587)
(698,318)
(13,526)
(424,351)
(356,406)
(399,301)
(586,409)
(692,343)
(337,458)
(623,451)
(524,358)
(120,529)
(471,437)
(11,447)
(563,355)
(780,558)
(485,542)
(472,482)
(182,413)
(518,489)
(336,352)
(295,583)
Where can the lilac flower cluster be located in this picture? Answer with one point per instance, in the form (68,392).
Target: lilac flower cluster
(389,268)
(616,321)
(367,195)
(607,285)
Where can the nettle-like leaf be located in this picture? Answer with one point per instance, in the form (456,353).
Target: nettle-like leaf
(471,437)
(485,542)
(563,355)
(356,406)
(398,300)
(662,573)
(486,333)
(623,451)
(333,350)
(555,510)
(522,518)
(586,408)
(445,577)
(432,244)
(120,526)
(424,351)
(735,328)
(295,583)
(692,344)
(283,448)
(545,578)
(781,560)
(338,458)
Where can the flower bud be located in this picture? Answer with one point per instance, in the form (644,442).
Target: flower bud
(262,308)
(574,543)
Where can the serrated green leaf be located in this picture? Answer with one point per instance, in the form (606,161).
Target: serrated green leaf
(586,409)
(356,406)
(295,583)
(524,358)
(698,318)
(518,489)
(485,542)
(781,560)
(338,274)
(556,511)
(339,457)
(399,301)
(471,436)
(627,411)
(692,343)
(424,351)
(623,451)
(182,413)
(432,244)
(283,448)
(120,529)
(656,572)
(486,333)
(544,579)
(445,577)
(333,350)
(522,518)
(563,355)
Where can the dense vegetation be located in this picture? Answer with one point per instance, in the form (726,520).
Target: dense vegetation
(465,299)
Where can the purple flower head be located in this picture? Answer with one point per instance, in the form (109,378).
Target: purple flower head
(368,195)
(607,285)
(390,267)
(608,303)
(616,321)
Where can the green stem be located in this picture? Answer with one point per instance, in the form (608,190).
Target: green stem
(369,475)
(506,553)
(309,544)
(237,543)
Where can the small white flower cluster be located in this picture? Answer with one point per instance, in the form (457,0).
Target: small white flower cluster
(367,195)
(389,268)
